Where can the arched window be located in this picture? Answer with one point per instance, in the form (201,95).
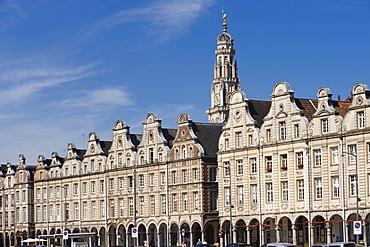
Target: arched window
(183,152)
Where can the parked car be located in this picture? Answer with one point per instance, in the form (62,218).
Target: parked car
(280,245)
(204,245)
(238,245)
(317,245)
(341,244)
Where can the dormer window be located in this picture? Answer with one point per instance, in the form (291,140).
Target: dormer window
(361,119)
(282,130)
(324,125)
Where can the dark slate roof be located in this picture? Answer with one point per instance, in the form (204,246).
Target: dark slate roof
(170,135)
(30,167)
(80,153)
(259,109)
(136,139)
(105,146)
(208,135)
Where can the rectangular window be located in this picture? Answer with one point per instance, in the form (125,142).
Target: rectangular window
(268,160)
(324,125)
(300,187)
(284,191)
(111,183)
(296,131)
(151,179)
(241,195)
(239,164)
(253,165)
(250,139)
(84,188)
(164,204)
(227,196)
(284,161)
(102,207)
(184,176)
(102,186)
(142,205)
(131,206)
(238,140)
(195,175)
(334,156)
(268,135)
(120,161)
(92,163)
(213,200)
(51,192)
(75,189)
(282,130)
(151,156)
(163,178)
(121,207)
(368,152)
(227,145)
(270,192)
(353,185)
(227,169)
(141,180)
(174,203)
(85,210)
(152,205)
(121,182)
(77,211)
(317,153)
(92,187)
(318,185)
(299,156)
(93,210)
(185,202)
(174,177)
(112,209)
(130,182)
(254,193)
(352,152)
(196,201)
(45,192)
(336,186)
(212,174)
(361,119)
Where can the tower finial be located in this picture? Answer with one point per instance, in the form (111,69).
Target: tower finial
(224,24)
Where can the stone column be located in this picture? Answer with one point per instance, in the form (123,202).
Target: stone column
(365,232)
(312,234)
(263,240)
(295,235)
(278,237)
(328,227)
(248,240)
(346,237)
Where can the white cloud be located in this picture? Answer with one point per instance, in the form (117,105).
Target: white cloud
(167,18)
(100,99)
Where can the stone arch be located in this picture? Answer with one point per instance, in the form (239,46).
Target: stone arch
(336,227)
(102,234)
(197,233)
(226,232)
(163,241)
(318,224)
(302,230)
(270,230)
(112,235)
(94,240)
(240,230)
(152,235)
(185,233)
(174,235)
(254,233)
(142,234)
(285,230)
(353,217)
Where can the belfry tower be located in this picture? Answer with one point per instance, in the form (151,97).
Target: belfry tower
(225,79)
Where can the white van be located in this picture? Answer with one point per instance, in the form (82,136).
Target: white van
(280,245)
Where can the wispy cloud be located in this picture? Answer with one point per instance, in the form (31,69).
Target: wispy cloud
(19,83)
(164,19)
(100,99)
(11,11)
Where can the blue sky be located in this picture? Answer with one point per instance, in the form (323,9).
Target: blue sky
(71,67)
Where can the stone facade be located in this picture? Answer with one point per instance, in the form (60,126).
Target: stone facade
(281,170)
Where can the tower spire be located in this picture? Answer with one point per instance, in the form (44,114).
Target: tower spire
(226,78)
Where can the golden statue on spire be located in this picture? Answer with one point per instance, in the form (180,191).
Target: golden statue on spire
(224,16)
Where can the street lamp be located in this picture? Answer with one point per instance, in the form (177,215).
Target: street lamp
(65,212)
